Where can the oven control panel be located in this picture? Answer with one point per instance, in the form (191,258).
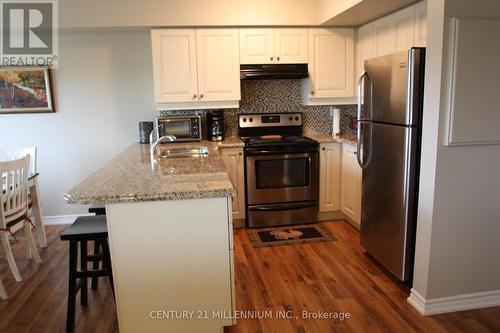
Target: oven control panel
(270,119)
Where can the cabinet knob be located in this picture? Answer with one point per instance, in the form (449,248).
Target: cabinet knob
(278,58)
(323,148)
(271,58)
(240,153)
(312,92)
(194,96)
(201,96)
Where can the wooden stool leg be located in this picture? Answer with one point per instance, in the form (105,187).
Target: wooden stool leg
(107,264)
(73,258)
(95,265)
(83,268)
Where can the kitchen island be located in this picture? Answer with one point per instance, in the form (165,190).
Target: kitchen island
(170,235)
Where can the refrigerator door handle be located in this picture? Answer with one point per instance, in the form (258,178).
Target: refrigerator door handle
(360,121)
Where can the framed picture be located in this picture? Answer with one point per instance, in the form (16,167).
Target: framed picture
(25,90)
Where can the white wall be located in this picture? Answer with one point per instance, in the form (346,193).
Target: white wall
(103,87)
(458,244)
(147,13)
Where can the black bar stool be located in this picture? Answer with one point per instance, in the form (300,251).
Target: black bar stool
(97,210)
(83,230)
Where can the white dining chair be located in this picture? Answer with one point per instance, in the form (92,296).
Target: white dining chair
(16,153)
(12,154)
(15,208)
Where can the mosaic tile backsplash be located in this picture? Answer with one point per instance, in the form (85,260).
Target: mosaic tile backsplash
(276,96)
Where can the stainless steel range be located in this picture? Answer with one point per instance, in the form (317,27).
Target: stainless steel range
(281,170)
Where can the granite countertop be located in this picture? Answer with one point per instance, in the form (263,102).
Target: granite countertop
(230,142)
(130,178)
(327,138)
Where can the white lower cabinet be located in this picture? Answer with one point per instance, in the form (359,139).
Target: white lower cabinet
(351,175)
(329,177)
(235,164)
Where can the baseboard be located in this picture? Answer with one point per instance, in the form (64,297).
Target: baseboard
(330,216)
(62,219)
(337,215)
(239,223)
(453,303)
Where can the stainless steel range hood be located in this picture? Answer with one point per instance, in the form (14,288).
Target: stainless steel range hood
(273,71)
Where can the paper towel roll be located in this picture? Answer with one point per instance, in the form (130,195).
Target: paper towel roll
(336,122)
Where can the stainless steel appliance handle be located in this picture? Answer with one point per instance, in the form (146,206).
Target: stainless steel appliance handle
(286,206)
(360,121)
(279,156)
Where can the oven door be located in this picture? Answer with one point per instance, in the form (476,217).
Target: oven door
(282,178)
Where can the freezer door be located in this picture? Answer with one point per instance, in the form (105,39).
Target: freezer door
(397,81)
(389,196)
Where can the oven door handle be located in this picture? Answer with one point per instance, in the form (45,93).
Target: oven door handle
(286,206)
(270,155)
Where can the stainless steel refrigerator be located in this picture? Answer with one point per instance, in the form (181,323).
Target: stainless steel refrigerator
(390,98)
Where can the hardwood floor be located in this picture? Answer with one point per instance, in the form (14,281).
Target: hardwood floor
(38,304)
(326,277)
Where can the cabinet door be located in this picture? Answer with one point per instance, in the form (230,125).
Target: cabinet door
(290,46)
(404,25)
(365,49)
(234,161)
(257,46)
(421,24)
(329,177)
(351,174)
(331,63)
(395,32)
(174,65)
(218,64)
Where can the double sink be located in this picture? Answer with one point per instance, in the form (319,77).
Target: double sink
(182,152)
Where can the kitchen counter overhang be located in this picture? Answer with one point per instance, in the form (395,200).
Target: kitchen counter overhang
(130,178)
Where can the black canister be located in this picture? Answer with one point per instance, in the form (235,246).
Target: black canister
(145,129)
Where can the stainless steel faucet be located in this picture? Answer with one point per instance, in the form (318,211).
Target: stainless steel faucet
(154,141)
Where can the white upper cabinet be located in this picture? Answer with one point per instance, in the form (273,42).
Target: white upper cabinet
(290,46)
(331,65)
(404,25)
(218,64)
(365,48)
(256,46)
(273,46)
(395,32)
(196,68)
(421,24)
(174,56)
